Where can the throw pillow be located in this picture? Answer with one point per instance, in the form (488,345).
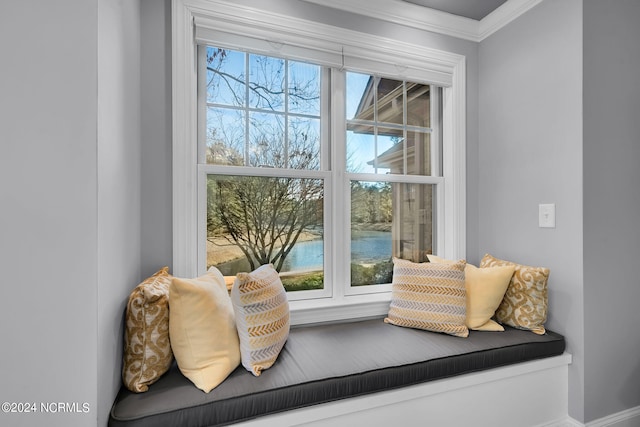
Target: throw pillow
(203,330)
(429,296)
(524,305)
(147,351)
(485,289)
(262,317)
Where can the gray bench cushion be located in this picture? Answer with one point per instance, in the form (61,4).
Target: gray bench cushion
(325,363)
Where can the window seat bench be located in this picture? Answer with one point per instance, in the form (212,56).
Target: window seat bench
(344,362)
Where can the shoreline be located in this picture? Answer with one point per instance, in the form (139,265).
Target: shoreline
(220,250)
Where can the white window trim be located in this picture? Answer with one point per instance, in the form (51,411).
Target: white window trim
(446,69)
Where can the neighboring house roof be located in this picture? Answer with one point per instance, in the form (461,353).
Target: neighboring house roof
(390,110)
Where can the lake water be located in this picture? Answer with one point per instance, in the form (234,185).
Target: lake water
(366,247)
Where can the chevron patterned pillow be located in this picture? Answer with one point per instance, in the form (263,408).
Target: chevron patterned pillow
(429,296)
(262,317)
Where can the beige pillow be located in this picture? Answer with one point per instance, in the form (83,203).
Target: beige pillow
(485,289)
(147,351)
(203,330)
(524,305)
(429,296)
(262,317)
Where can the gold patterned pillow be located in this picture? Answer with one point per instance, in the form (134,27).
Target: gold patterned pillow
(524,305)
(262,317)
(147,351)
(429,296)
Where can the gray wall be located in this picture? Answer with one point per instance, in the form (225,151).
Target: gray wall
(530,152)
(70,191)
(155,63)
(118,169)
(611,206)
(48,192)
(88,137)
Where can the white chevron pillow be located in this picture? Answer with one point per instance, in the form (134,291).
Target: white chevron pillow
(429,296)
(262,317)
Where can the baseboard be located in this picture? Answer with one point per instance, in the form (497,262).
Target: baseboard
(564,422)
(626,418)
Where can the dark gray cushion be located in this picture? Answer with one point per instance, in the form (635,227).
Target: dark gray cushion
(329,362)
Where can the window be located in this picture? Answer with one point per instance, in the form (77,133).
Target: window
(324,159)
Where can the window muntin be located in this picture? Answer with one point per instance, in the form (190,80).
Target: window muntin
(388,134)
(282,122)
(388,127)
(262,116)
(261,111)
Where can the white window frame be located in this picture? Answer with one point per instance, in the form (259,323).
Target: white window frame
(336,46)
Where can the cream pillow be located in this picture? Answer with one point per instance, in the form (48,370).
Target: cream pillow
(485,289)
(524,305)
(262,317)
(203,330)
(429,296)
(147,351)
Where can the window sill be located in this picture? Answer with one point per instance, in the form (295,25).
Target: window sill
(320,310)
(304,312)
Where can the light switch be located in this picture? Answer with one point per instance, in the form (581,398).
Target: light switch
(547,215)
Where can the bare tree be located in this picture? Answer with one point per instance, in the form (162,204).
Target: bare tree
(263,216)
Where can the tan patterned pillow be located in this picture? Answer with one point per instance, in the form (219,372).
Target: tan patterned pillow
(429,296)
(262,317)
(147,351)
(524,305)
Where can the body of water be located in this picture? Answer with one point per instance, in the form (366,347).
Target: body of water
(366,247)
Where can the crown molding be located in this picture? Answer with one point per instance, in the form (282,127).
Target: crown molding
(409,14)
(503,15)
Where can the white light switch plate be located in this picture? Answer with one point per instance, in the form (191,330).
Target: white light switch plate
(547,215)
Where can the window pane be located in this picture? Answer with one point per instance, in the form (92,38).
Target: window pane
(390,101)
(388,220)
(253,221)
(391,150)
(266,82)
(304,88)
(363,151)
(224,138)
(225,76)
(267,147)
(304,143)
(418,105)
(358,94)
(418,153)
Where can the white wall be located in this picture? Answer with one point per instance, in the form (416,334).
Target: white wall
(530,152)
(118,168)
(48,209)
(611,206)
